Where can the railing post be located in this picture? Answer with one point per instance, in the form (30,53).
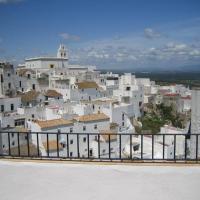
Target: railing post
(78,153)
(120,146)
(28,144)
(142,147)
(130,146)
(109,144)
(163,146)
(197,141)
(57,138)
(38,148)
(18,142)
(152,147)
(99,146)
(175,147)
(88,145)
(185,148)
(67,145)
(9,144)
(47,145)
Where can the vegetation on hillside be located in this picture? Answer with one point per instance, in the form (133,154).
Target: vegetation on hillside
(159,116)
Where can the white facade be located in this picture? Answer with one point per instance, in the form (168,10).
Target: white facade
(195,121)
(130,92)
(73,129)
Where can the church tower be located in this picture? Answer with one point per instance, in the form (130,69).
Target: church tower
(62,52)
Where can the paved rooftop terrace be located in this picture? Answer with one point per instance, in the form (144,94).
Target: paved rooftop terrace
(52,181)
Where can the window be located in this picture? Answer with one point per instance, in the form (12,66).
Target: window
(51,66)
(123,116)
(136,147)
(91,152)
(71,130)
(95,126)
(84,139)
(128,88)
(84,128)
(33,115)
(9,85)
(122,123)
(71,141)
(19,122)
(71,154)
(13,143)
(20,84)
(12,107)
(22,89)
(2,108)
(33,86)
(12,135)
(1,78)
(8,74)
(3,146)
(28,76)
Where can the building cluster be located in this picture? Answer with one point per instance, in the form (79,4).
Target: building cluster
(47,94)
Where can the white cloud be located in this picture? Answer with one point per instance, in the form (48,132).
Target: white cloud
(67,36)
(9,1)
(151,34)
(117,55)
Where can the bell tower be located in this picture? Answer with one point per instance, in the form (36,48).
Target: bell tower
(62,52)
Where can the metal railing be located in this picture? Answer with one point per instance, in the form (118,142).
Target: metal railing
(100,147)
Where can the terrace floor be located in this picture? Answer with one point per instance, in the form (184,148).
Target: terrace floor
(51,181)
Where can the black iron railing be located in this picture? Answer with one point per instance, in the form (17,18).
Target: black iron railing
(100,147)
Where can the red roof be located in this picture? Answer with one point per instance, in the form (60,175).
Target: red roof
(171,94)
(187,97)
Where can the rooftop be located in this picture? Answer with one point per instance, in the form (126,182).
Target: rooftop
(29,96)
(92,117)
(53,93)
(52,145)
(45,58)
(53,123)
(87,85)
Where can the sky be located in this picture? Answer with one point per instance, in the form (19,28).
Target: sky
(111,34)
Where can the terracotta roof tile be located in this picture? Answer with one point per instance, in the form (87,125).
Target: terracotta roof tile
(87,84)
(53,123)
(52,145)
(92,117)
(187,97)
(29,96)
(22,72)
(53,93)
(105,134)
(24,150)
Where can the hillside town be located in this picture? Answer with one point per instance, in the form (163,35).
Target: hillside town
(48,94)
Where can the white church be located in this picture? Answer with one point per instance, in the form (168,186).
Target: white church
(42,63)
(60,62)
